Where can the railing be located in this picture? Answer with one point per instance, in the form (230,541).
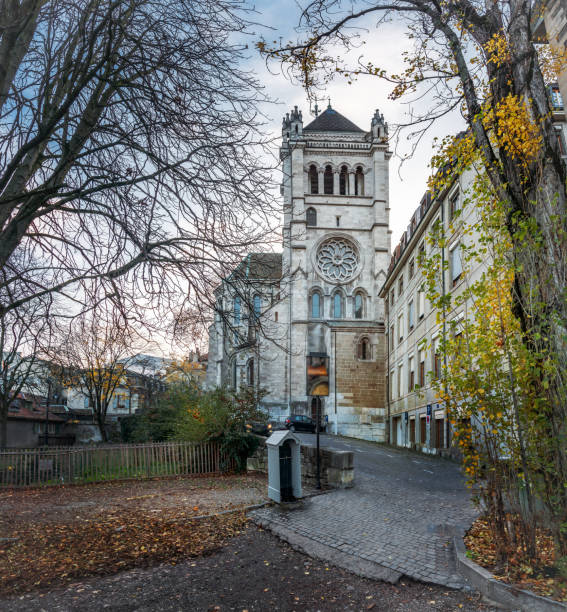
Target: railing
(80,465)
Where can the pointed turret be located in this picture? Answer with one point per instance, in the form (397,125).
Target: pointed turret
(379,127)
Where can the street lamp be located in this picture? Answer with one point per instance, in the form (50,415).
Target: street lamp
(317,387)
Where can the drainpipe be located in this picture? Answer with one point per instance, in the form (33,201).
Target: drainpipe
(443,290)
(335,380)
(389,382)
(290,294)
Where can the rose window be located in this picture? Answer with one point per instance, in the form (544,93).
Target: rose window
(337,260)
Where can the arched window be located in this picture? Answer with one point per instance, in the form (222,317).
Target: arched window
(364,351)
(311,217)
(343,181)
(257,306)
(337,305)
(359,182)
(358,305)
(313,180)
(250,373)
(328,180)
(315,305)
(237,310)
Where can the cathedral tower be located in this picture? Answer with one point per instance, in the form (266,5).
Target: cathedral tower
(335,257)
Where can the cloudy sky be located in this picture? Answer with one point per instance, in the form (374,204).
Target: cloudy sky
(358,101)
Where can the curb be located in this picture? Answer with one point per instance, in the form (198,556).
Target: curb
(340,559)
(498,593)
(247,509)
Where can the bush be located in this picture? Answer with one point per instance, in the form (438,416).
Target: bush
(185,412)
(237,446)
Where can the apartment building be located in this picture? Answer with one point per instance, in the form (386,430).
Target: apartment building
(550,25)
(416,416)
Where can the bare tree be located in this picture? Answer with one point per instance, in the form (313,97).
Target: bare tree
(25,333)
(130,148)
(480,57)
(92,356)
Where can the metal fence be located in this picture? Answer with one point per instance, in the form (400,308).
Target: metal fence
(80,465)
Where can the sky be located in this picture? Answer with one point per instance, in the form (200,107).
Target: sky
(357,102)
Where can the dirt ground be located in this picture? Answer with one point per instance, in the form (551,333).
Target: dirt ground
(255,572)
(136,546)
(62,504)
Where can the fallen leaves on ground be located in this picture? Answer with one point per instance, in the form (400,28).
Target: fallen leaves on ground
(541,577)
(39,553)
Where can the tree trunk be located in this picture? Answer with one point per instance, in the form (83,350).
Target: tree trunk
(3,426)
(100,420)
(535,195)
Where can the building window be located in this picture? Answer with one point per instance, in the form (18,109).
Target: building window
(456,263)
(422,368)
(392,297)
(400,327)
(561,141)
(337,305)
(237,311)
(359,182)
(411,268)
(257,306)
(313,180)
(364,352)
(392,334)
(400,379)
(338,219)
(311,217)
(392,385)
(400,286)
(315,305)
(358,305)
(556,99)
(421,303)
(436,360)
(454,205)
(421,255)
(328,180)
(411,315)
(276,317)
(343,181)
(411,377)
(250,373)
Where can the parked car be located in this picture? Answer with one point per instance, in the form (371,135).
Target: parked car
(299,422)
(257,427)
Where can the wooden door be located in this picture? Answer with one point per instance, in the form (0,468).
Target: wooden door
(422,430)
(412,431)
(439,430)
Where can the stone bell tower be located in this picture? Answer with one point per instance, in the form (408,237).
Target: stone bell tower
(335,256)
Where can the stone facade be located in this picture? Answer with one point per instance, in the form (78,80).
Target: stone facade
(336,247)
(415,415)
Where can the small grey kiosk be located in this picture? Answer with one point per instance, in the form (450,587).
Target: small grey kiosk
(284,466)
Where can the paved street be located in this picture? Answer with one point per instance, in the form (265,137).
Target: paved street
(399,516)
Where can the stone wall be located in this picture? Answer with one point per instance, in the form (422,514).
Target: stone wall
(337,467)
(361,385)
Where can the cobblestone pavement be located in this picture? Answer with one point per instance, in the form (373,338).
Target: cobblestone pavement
(401,514)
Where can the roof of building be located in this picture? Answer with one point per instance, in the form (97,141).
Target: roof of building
(260,266)
(28,407)
(331,121)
